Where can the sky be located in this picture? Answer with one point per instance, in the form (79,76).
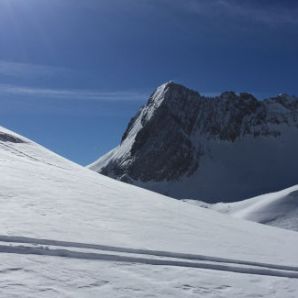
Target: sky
(73,72)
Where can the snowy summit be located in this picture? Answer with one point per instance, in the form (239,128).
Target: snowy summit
(226,148)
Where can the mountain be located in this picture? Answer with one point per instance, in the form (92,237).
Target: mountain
(278,209)
(69,232)
(226,148)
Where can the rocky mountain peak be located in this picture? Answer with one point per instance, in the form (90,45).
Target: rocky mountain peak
(285,100)
(171,93)
(178,130)
(228,95)
(171,102)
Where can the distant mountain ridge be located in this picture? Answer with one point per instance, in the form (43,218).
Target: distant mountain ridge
(223,148)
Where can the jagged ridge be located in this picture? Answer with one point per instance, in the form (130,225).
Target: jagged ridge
(168,137)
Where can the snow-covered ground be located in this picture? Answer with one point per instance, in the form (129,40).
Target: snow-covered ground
(66,231)
(279,209)
(36,276)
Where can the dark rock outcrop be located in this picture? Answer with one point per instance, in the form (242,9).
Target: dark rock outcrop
(5,137)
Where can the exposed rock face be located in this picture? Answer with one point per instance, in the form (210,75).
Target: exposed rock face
(165,144)
(5,137)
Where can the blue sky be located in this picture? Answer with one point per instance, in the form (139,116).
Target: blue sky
(73,72)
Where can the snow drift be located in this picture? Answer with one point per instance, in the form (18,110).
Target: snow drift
(278,209)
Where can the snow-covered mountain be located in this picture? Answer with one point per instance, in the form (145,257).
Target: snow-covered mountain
(225,148)
(278,209)
(68,232)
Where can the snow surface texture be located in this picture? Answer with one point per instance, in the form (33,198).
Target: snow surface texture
(69,232)
(182,144)
(278,209)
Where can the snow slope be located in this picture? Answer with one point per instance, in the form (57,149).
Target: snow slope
(66,231)
(278,209)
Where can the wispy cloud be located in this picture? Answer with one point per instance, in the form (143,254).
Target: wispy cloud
(272,13)
(19,70)
(24,71)
(63,94)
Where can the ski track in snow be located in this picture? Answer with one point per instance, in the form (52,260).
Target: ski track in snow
(164,258)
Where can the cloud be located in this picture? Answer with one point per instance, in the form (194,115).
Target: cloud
(63,94)
(21,70)
(270,13)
